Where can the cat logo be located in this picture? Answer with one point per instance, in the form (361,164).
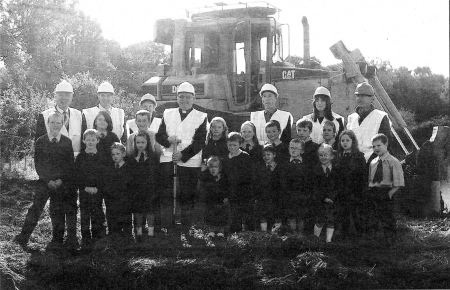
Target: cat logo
(288,74)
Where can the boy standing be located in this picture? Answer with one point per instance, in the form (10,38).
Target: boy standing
(297,195)
(385,179)
(273,131)
(90,168)
(327,185)
(304,129)
(54,164)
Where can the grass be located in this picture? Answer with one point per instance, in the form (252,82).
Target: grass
(419,259)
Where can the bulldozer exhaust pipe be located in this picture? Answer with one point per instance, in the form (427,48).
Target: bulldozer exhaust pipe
(306,54)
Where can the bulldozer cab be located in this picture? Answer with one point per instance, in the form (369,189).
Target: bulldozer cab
(239,43)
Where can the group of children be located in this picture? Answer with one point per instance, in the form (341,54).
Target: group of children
(244,185)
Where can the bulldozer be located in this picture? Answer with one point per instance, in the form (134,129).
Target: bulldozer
(229,51)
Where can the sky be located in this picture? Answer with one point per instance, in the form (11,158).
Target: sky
(409,33)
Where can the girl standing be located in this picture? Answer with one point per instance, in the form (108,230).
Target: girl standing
(216,140)
(322,113)
(354,176)
(143,203)
(250,142)
(104,125)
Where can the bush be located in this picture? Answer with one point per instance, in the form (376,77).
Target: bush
(19,109)
(422,131)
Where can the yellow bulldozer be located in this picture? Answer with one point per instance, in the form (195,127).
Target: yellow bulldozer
(228,52)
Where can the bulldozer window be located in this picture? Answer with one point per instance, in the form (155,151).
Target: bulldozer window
(203,51)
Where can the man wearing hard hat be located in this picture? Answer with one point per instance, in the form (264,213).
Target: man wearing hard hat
(367,121)
(105,93)
(148,103)
(74,126)
(269,96)
(182,135)
(322,113)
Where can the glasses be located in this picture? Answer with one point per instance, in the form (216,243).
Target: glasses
(294,148)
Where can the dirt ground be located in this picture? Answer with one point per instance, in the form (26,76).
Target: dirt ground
(419,258)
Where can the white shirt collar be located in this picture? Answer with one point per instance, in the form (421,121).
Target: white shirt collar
(50,137)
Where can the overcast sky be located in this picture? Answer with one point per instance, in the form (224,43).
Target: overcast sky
(409,33)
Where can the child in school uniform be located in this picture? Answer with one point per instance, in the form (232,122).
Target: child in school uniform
(385,179)
(54,161)
(143,197)
(213,192)
(268,188)
(237,167)
(326,187)
(118,190)
(354,177)
(89,169)
(329,134)
(296,201)
(104,125)
(216,141)
(250,143)
(273,131)
(304,129)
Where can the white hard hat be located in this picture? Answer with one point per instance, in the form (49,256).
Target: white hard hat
(105,87)
(268,88)
(186,88)
(322,91)
(64,86)
(148,97)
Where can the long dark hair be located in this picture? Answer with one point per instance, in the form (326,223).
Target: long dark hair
(354,148)
(148,149)
(327,112)
(108,120)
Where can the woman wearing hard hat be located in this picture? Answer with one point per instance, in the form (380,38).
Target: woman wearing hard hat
(105,93)
(322,113)
(269,96)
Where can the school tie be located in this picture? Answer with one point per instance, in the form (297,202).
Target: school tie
(54,140)
(66,120)
(102,135)
(269,166)
(328,171)
(117,166)
(378,177)
(247,147)
(141,158)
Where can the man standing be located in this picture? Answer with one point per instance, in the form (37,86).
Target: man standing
(269,95)
(367,121)
(105,93)
(73,127)
(184,129)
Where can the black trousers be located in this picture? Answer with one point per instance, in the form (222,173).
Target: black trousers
(92,216)
(381,209)
(63,210)
(119,217)
(186,194)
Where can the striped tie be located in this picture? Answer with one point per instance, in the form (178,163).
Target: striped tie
(66,120)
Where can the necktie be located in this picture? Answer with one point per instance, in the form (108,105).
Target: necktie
(328,171)
(247,147)
(102,135)
(269,166)
(66,120)
(141,158)
(91,154)
(54,140)
(117,166)
(378,177)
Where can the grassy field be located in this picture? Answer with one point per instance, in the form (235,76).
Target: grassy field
(419,259)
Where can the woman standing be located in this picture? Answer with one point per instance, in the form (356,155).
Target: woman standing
(322,113)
